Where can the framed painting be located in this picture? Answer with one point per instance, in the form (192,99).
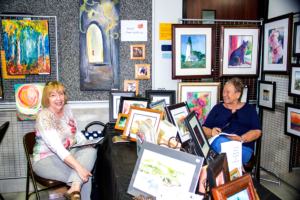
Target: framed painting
(137,52)
(159,105)
(266,95)
(292,120)
(156,95)
(234,174)
(135,117)
(239,50)
(26,46)
(28,100)
(240,188)
(200,97)
(131,86)
(176,114)
(294,80)
(245,95)
(192,47)
(126,102)
(121,122)
(277,44)
(171,170)
(296,38)
(142,71)
(114,103)
(99,45)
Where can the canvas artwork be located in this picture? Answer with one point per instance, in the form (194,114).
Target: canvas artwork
(240,195)
(26,46)
(127,104)
(193,51)
(240,51)
(28,100)
(200,102)
(295,121)
(158,173)
(275,45)
(137,120)
(99,44)
(266,95)
(220,180)
(179,118)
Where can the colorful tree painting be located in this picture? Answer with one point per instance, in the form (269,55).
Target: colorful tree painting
(26,45)
(200,102)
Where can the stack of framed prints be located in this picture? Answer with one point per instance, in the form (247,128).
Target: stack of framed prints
(266,95)
(114,103)
(168,95)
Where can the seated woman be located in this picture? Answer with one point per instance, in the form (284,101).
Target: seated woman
(56,131)
(233,117)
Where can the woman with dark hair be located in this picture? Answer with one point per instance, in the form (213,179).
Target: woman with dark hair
(233,117)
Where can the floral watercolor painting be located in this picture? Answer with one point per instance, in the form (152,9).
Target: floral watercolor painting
(200,102)
(275,45)
(28,100)
(240,51)
(295,121)
(179,118)
(26,45)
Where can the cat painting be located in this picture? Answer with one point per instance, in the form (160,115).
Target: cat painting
(238,56)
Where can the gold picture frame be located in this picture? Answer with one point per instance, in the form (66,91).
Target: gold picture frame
(131,86)
(142,71)
(137,52)
(121,122)
(234,174)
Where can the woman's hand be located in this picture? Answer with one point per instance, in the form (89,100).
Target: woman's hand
(83,173)
(235,138)
(215,131)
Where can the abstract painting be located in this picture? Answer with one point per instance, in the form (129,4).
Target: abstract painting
(275,45)
(193,51)
(200,102)
(240,51)
(26,45)
(295,121)
(28,100)
(99,44)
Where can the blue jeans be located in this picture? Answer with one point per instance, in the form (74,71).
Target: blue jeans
(246,151)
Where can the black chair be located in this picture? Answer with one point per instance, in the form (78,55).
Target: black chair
(3,130)
(29,142)
(254,160)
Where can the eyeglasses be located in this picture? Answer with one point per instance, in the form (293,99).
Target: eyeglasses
(54,96)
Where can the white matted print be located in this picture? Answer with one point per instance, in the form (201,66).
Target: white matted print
(157,98)
(292,125)
(178,115)
(267,94)
(128,103)
(295,81)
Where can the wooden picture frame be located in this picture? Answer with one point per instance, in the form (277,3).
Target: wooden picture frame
(121,122)
(294,82)
(236,40)
(296,38)
(266,94)
(234,174)
(186,40)
(291,120)
(127,102)
(277,44)
(136,115)
(142,71)
(238,187)
(131,86)
(114,103)
(137,52)
(168,95)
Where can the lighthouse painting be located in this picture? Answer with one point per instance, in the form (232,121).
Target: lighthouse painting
(193,49)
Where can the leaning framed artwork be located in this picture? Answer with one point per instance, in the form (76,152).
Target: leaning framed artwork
(121,122)
(156,95)
(137,52)
(131,86)
(246,94)
(294,80)
(126,102)
(201,97)
(266,94)
(192,47)
(292,120)
(239,50)
(234,174)
(277,44)
(142,71)
(296,38)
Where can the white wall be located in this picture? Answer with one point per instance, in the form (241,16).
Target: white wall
(281,7)
(164,11)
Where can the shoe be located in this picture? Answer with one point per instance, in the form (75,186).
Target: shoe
(71,196)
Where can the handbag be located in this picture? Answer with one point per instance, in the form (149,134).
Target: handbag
(94,134)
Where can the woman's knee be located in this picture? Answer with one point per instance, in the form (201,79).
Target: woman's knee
(216,145)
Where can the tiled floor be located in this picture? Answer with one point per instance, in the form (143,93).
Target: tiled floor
(283,191)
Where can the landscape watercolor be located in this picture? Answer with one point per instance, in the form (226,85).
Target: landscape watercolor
(193,51)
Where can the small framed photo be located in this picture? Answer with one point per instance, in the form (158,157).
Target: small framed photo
(294,80)
(201,97)
(142,71)
(131,86)
(156,95)
(126,102)
(239,50)
(137,52)
(135,116)
(266,95)
(277,44)
(114,103)
(292,120)
(192,47)
(246,92)
(240,188)
(159,169)
(296,45)
(234,174)
(121,122)
(176,114)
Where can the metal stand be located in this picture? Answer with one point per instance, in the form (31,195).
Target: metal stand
(273,173)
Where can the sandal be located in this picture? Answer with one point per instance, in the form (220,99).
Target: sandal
(72,196)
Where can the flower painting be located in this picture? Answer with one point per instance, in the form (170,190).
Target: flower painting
(183,129)
(200,102)
(26,46)
(240,51)
(275,45)
(193,51)
(295,121)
